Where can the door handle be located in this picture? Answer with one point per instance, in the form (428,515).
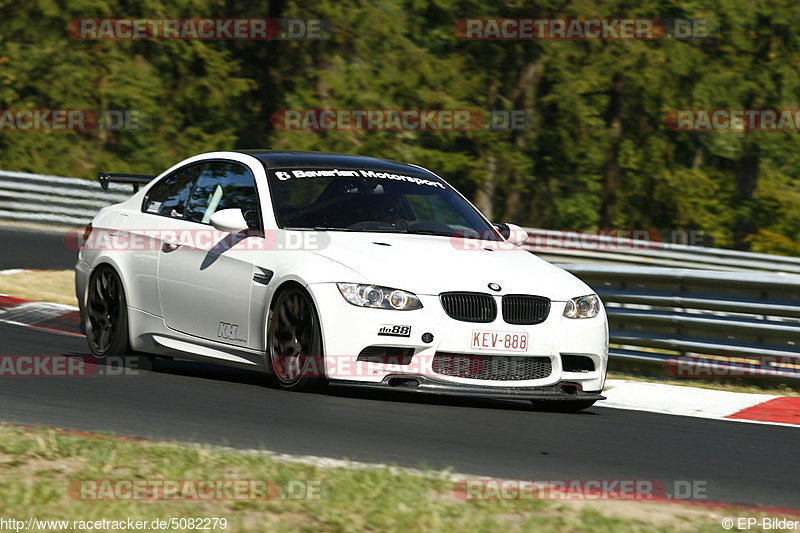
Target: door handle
(170,245)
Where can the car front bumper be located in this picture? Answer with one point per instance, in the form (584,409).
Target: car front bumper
(347,330)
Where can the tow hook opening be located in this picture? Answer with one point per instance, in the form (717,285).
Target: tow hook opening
(570,388)
(408,383)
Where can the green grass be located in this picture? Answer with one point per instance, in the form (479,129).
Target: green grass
(37,465)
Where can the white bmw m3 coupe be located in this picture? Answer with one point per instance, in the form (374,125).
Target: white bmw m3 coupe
(326,268)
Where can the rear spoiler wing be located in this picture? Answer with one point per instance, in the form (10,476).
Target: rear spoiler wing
(134,179)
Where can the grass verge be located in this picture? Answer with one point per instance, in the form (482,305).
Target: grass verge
(42,285)
(38,466)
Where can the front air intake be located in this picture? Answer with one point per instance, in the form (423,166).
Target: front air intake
(386,355)
(492,367)
(576,363)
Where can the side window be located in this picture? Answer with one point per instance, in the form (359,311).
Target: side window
(168,197)
(224,185)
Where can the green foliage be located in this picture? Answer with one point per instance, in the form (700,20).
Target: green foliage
(596,154)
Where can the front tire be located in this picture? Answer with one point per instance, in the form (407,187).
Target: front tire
(295,341)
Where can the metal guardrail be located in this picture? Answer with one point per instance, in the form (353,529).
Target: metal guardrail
(54,200)
(701,323)
(586,248)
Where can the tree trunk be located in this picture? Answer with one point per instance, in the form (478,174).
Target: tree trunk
(523,100)
(611,170)
(485,193)
(746,186)
(484,196)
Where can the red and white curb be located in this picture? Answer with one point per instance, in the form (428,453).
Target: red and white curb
(701,403)
(57,318)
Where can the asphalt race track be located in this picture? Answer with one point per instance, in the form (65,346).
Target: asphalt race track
(38,250)
(741,462)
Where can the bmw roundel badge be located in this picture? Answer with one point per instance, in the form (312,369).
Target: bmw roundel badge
(495,287)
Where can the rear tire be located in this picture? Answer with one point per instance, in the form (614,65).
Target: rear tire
(294,341)
(106,314)
(106,320)
(562,406)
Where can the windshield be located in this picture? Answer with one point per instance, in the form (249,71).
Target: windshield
(372,201)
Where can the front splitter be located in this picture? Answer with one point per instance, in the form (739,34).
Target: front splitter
(424,385)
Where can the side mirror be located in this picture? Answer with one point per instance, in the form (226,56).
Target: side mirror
(229,220)
(512,233)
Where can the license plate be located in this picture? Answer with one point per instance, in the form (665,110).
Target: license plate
(499,341)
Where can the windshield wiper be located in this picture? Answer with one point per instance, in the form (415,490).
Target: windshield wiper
(376,230)
(314,228)
(351,230)
(429,232)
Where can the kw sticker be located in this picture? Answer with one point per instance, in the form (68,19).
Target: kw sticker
(228,331)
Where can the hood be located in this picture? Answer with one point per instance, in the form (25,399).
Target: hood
(428,264)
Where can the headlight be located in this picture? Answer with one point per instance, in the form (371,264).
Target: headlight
(379,297)
(582,307)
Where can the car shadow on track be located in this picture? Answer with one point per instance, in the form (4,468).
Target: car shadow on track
(200,370)
(233,375)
